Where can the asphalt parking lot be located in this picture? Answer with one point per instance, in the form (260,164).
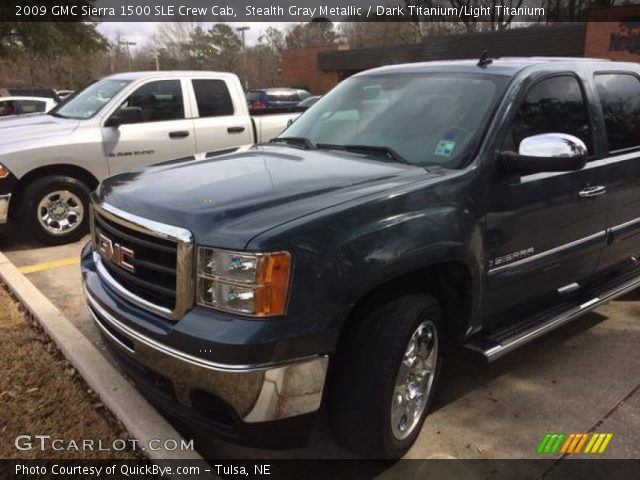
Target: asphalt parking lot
(584,377)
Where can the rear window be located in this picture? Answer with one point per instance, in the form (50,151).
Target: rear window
(32,106)
(252,96)
(212,97)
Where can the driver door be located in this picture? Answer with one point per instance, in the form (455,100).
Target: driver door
(164,133)
(545,232)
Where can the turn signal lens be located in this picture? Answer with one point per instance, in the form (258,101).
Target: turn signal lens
(251,284)
(3,171)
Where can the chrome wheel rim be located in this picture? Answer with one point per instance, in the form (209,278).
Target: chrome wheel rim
(60,212)
(414,380)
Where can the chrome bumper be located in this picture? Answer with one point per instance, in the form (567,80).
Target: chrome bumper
(4,207)
(257,393)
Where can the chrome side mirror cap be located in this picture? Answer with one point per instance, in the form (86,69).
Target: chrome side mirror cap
(547,152)
(552,145)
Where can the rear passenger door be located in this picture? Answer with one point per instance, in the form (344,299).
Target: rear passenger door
(544,233)
(619,95)
(219,124)
(164,133)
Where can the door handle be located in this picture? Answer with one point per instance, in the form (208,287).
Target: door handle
(179,134)
(235,129)
(592,191)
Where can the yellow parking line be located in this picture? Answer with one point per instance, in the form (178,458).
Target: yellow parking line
(38,267)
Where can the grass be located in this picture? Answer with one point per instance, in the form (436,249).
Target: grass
(41,394)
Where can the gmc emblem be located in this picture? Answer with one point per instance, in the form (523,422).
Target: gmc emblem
(116,253)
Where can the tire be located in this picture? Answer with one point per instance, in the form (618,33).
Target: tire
(60,192)
(366,368)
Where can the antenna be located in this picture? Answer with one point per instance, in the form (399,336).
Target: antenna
(484,59)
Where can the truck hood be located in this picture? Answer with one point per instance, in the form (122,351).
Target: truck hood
(227,200)
(28,128)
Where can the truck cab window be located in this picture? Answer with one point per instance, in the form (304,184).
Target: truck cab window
(554,105)
(158,101)
(212,97)
(620,98)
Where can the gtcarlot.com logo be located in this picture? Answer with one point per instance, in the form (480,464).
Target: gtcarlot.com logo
(574,443)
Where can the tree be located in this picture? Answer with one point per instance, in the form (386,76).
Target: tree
(317,33)
(273,39)
(226,46)
(52,52)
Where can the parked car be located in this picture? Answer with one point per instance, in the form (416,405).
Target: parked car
(332,264)
(270,98)
(309,101)
(25,105)
(50,163)
(29,91)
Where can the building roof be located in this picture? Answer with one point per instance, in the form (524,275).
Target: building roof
(566,40)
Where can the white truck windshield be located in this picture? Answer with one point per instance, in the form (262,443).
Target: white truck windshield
(90,100)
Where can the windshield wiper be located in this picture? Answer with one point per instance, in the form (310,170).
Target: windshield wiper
(372,149)
(299,141)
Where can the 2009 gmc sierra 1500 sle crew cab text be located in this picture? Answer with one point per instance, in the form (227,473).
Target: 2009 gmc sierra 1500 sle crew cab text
(50,163)
(481,203)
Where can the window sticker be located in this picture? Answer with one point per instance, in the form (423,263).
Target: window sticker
(445,148)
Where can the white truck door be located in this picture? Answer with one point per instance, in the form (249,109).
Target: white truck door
(164,132)
(219,121)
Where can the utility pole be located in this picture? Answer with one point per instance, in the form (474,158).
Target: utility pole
(244,56)
(128,44)
(260,60)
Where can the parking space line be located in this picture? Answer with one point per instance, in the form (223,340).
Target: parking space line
(38,267)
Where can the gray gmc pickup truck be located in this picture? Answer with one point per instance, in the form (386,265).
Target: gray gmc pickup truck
(478,203)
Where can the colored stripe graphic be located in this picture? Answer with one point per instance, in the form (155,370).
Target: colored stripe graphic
(574,443)
(550,443)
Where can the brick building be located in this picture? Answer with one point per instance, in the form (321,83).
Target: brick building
(612,33)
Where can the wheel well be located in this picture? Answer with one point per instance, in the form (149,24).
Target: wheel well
(450,283)
(73,171)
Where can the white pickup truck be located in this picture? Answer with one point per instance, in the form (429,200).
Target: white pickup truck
(50,163)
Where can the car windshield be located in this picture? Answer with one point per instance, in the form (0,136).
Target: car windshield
(88,102)
(424,119)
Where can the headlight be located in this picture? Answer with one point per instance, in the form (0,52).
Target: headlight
(254,284)
(3,171)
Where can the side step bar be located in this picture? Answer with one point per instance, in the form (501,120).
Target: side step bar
(495,345)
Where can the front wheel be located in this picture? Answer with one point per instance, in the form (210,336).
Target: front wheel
(384,376)
(55,209)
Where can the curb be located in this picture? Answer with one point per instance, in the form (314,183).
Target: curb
(139,417)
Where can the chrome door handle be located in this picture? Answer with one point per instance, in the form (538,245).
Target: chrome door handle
(592,191)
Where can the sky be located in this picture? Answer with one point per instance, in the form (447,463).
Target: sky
(141,32)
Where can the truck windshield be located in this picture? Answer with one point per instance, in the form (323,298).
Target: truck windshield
(89,101)
(426,119)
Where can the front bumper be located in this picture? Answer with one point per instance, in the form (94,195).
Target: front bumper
(257,393)
(5,199)
(7,187)
(233,400)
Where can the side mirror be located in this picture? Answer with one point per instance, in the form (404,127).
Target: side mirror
(123,116)
(548,152)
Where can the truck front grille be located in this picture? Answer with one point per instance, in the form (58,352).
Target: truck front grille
(151,268)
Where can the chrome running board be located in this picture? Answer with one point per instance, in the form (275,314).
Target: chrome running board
(498,343)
